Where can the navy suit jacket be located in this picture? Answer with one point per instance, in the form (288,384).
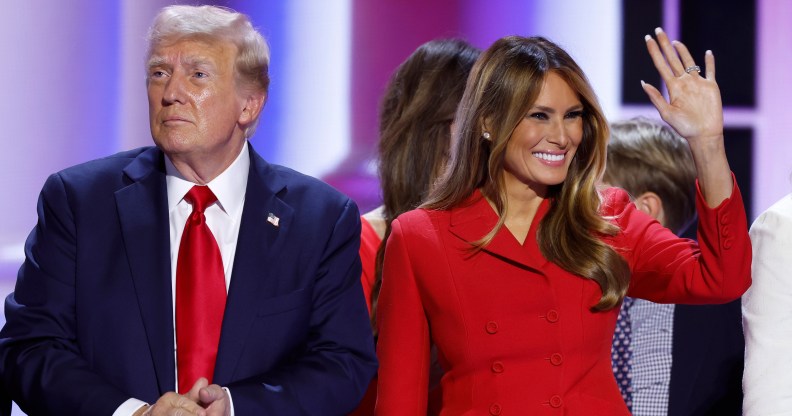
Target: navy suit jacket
(5,404)
(90,323)
(708,351)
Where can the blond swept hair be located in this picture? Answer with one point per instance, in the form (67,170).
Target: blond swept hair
(213,23)
(648,156)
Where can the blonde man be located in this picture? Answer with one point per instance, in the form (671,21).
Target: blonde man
(191,277)
(685,359)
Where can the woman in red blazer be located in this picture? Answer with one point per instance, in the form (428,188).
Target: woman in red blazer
(516,265)
(414,136)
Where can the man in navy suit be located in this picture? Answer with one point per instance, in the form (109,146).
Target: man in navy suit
(92,324)
(5,404)
(685,359)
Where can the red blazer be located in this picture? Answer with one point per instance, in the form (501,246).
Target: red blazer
(514,332)
(369,244)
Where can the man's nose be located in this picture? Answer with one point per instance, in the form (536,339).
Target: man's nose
(174,90)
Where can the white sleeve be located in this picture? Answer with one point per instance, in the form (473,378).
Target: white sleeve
(230,400)
(129,407)
(767,315)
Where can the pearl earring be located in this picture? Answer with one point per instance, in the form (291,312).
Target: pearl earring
(485,135)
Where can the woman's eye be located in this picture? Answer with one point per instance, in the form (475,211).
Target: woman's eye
(538,116)
(574,114)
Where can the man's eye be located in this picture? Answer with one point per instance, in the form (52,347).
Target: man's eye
(199,74)
(157,74)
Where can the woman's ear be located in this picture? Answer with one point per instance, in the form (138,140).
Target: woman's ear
(485,131)
(652,204)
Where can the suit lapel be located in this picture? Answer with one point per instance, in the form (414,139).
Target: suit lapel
(475,218)
(258,245)
(143,214)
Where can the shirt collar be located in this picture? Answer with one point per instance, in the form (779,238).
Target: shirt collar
(229,187)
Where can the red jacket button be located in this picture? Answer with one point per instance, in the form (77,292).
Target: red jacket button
(556,401)
(556,359)
(495,409)
(552,315)
(491,327)
(497,367)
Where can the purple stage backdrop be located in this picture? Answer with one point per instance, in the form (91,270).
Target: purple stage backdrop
(73,86)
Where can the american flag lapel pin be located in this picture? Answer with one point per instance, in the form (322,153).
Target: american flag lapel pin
(272,219)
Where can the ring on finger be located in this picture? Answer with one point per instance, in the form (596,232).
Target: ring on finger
(693,68)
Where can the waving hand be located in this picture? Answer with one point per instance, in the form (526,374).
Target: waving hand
(694,110)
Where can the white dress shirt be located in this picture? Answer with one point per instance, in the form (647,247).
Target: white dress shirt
(767,315)
(223,219)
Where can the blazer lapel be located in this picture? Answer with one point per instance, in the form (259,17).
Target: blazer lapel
(143,213)
(266,219)
(475,218)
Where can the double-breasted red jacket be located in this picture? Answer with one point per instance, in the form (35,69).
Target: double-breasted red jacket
(515,333)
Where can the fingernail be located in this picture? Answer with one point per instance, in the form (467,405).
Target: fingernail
(658,30)
(647,38)
(709,52)
(642,83)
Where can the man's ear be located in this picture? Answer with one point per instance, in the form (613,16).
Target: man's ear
(652,204)
(254,103)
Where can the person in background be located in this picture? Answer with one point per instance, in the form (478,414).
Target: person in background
(416,115)
(516,265)
(191,277)
(685,359)
(767,315)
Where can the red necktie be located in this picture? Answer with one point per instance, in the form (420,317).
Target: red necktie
(200,294)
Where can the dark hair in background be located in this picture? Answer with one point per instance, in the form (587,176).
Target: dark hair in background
(415,128)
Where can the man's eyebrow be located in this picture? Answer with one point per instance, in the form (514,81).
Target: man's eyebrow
(191,61)
(155,61)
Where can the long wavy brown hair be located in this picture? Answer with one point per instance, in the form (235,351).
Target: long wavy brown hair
(415,128)
(503,85)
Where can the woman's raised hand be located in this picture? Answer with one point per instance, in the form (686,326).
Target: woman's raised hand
(694,107)
(694,110)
